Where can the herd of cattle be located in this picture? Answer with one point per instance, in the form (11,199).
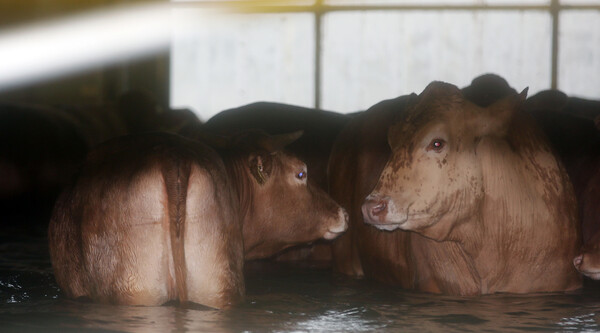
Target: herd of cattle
(465,191)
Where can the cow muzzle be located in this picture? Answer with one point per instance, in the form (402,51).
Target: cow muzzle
(339,227)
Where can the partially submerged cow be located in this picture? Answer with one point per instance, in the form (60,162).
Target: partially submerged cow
(157,217)
(488,207)
(313,147)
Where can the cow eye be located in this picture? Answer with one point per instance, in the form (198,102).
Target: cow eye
(437,145)
(301,175)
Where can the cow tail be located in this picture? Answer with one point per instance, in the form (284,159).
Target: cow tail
(176,174)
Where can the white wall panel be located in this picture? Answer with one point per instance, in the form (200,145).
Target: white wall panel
(579,54)
(370,56)
(225,61)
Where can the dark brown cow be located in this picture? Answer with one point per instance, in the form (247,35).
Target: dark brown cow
(141,113)
(156,217)
(490,208)
(568,122)
(587,262)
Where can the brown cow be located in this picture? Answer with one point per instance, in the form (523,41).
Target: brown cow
(157,217)
(320,130)
(490,208)
(358,157)
(570,124)
(485,179)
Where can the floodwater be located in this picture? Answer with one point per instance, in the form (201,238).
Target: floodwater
(280,298)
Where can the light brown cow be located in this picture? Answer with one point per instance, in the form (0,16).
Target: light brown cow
(157,217)
(486,181)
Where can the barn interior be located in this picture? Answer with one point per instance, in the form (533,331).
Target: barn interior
(175,64)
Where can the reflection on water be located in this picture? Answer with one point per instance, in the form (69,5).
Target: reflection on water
(281,298)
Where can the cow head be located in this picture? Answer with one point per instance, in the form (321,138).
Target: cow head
(433,180)
(282,208)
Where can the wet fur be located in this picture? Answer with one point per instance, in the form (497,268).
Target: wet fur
(157,217)
(470,257)
(134,244)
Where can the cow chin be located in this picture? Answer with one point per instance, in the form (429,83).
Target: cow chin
(591,275)
(386,226)
(389,222)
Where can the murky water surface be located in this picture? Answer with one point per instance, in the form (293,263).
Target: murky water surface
(281,298)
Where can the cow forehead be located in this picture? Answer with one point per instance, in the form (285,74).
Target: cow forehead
(441,103)
(289,161)
(405,133)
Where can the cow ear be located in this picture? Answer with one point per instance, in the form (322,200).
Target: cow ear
(260,167)
(495,120)
(275,143)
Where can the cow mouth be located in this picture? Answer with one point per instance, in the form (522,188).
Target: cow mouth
(386,226)
(405,224)
(592,274)
(329,235)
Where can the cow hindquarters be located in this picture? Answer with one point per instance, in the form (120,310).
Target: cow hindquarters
(125,247)
(213,241)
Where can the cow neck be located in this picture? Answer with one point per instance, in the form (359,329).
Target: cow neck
(470,236)
(469,233)
(520,232)
(235,164)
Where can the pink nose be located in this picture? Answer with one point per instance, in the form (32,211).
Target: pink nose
(378,208)
(374,209)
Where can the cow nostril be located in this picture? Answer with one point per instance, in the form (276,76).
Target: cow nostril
(577,261)
(379,208)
